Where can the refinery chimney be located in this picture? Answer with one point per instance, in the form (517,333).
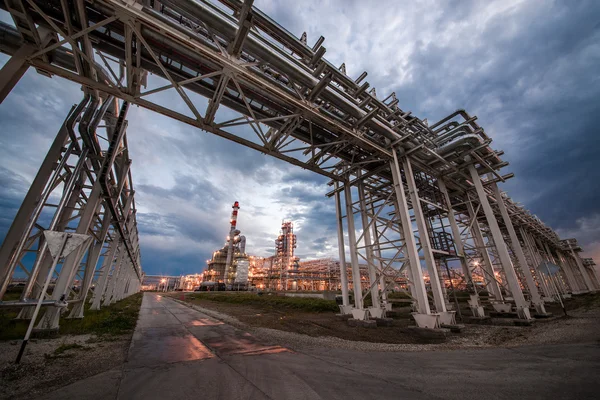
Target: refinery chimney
(231,237)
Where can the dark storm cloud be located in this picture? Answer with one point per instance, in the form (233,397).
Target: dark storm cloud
(532,78)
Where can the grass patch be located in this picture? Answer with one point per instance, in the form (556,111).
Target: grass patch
(292,303)
(72,346)
(116,319)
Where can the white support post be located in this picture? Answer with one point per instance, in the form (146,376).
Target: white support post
(358,312)
(376,310)
(103,279)
(566,266)
(536,300)
(423,316)
(110,290)
(509,271)
(586,278)
(537,260)
(474,302)
(434,278)
(346,307)
(489,278)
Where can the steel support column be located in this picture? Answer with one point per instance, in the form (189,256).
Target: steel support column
(509,271)
(537,301)
(373,281)
(414,263)
(342,252)
(358,312)
(489,278)
(586,278)
(434,278)
(107,264)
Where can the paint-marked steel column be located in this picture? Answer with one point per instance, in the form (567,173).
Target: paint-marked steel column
(434,278)
(346,309)
(414,263)
(358,312)
(509,271)
(491,283)
(373,281)
(537,301)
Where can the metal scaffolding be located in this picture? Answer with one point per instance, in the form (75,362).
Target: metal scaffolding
(424,195)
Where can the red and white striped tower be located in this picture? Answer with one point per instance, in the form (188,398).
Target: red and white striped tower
(234,214)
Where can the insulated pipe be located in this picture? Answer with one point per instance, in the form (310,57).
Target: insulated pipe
(260,47)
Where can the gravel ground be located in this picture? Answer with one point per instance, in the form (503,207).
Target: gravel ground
(42,369)
(583,325)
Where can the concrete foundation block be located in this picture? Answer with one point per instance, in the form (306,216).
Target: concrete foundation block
(455,328)
(542,316)
(479,320)
(384,321)
(346,310)
(502,307)
(369,324)
(447,318)
(376,312)
(343,317)
(523,322)
(435,334)
(504,314)
(353,322)
(360,314)
(430,321)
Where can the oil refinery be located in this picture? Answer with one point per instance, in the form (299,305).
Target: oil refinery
(418,202)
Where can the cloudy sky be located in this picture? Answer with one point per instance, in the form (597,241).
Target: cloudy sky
(528,70)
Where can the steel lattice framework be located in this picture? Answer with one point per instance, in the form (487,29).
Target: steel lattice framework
(423,193)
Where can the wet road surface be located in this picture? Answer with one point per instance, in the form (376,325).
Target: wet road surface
(180,353)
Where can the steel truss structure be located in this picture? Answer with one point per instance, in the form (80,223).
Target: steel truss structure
(423,195)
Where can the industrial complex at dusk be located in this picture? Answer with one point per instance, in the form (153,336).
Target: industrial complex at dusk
(383,240)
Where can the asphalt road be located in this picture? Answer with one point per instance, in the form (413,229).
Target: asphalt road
(180,353)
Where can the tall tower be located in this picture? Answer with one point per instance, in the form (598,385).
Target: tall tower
(284,249)
(231,237)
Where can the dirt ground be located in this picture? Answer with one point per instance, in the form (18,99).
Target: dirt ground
(582,325)
(51,363)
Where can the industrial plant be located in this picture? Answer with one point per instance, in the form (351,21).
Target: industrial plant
(418,203)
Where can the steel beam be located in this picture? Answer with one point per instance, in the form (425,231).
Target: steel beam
(509,271)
